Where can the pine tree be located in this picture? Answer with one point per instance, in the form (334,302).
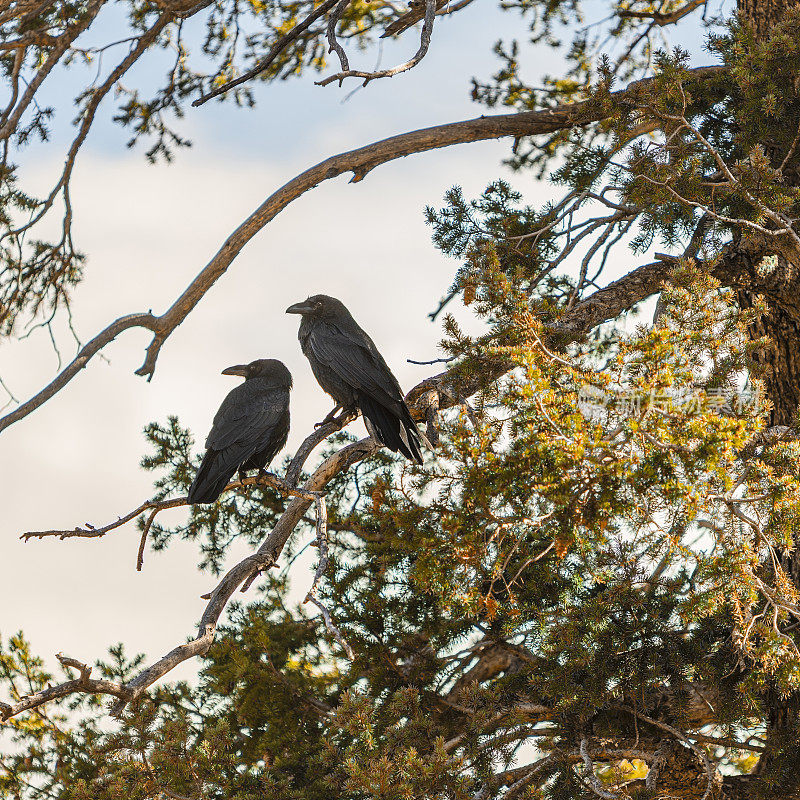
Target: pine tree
(591,589)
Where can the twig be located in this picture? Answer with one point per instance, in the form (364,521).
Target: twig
(322,541)
(329,624)
(333,42)
(274,52)
(156,506)
(663,19)
(711,772)
(143,541)
(90,532)
(360,162)
(432,361)
(424,44)
(413,16)
(588,773)
(83,684)
(792,150)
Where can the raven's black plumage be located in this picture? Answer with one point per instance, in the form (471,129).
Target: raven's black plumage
(249,429)
(350,369)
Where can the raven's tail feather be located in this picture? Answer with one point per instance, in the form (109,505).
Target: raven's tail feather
(211,479)
(397,433)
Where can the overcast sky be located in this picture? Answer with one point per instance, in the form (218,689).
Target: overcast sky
(147,231)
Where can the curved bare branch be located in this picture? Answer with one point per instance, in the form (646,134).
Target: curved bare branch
(12,116)
(360,162)
(84,684)
(85,354)
(424,44)
(274,52)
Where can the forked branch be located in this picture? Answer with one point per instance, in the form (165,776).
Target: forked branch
(424,44)
(242,573)
(439,392)
(360,162)
(274,52)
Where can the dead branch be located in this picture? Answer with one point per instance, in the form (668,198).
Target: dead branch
(661,19)
(330,625)
(90,532)
(424,44)
(333,42)
(84,684)
(417,12)
(360,162)
(155,506)
(85,354)
(274,52)
(612,300)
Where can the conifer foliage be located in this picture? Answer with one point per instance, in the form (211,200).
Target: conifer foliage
(591,588)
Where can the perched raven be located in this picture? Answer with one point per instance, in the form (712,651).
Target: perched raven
(249,429)
(348,366)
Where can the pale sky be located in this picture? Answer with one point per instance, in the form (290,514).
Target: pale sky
(147,231)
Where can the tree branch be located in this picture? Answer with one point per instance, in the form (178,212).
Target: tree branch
(424,44)
(274,52)
(90,349)
(413,16)
(612,300)
(83,684)
(360,162)
(663,19)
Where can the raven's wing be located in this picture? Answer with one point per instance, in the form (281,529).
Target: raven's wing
(246,415)
(246,423)
(353,357)
(356,361)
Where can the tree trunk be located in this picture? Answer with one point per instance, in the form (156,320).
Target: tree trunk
(778,364)
(763,15)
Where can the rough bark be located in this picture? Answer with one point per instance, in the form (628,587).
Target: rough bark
(779,365)
(779,362)
(763,15)
(744,268)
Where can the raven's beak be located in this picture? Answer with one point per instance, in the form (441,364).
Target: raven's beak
(239,369)
(300,308)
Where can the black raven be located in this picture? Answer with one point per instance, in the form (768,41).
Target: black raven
(249,429)
(348,366)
